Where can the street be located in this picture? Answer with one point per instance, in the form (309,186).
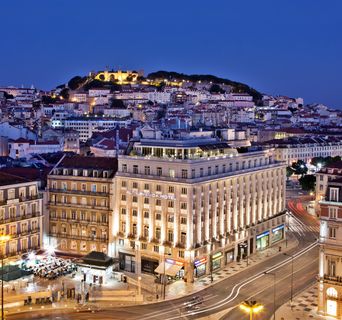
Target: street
(250,284)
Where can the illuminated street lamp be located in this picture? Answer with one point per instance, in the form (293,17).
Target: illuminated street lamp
(3,240)
(251,307)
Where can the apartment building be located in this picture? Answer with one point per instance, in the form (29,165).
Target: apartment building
(21,215)
(330,255)
(305,148)
(323,176)
(190,206)
(80,204)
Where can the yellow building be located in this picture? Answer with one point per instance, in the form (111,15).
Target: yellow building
(80,204)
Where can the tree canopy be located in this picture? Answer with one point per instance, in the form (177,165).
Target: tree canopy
(308,182)
(299,167)
(75,82)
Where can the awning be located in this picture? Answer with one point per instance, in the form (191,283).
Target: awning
(170,269)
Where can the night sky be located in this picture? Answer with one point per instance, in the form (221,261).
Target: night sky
(291,47)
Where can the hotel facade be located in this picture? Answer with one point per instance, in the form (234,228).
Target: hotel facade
(191,206)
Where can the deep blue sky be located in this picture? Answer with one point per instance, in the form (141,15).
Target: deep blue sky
(291,47)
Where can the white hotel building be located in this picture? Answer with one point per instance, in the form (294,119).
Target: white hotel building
(196,204)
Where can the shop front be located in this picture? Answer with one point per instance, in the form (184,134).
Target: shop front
(148,265)
(278,233)
(127,262)
(200,267)
(263,240)
(229,256)
(173,269)
(216,260)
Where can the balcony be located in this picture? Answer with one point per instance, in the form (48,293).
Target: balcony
(24,233)
(78,205)
(80,192)
(332,280)
(21,217)
(81,221)
(77,237)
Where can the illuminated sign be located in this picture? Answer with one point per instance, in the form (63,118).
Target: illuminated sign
(266,233)
(278,228)
(217,255)
(151,195)
(200,261)
(176,262)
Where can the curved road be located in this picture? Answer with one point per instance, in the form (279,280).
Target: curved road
(225,296)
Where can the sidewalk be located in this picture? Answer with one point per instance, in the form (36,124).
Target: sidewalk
(180,288)
(304,307)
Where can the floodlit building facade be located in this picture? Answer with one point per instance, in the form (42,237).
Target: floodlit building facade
(330,255)
(21,215)
(80,204)
(195,205)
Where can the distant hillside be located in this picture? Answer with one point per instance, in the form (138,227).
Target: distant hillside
(238,86)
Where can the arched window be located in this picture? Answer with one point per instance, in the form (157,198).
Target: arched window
(332,292)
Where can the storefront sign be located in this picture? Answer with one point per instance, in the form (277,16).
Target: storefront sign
(200,262)
(217,255)
(266,233)
(176,262)
(151,195)
(278,228)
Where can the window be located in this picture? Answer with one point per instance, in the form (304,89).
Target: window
(158,202)
(209,171)
(123,226)
(170,204)
(146,231)
(158,233)
(156,248)
(134,230)
(183,237)
(333,194)
(135,169)
(146,186)
(123,184)
(144,246)
(135,185)
(181,254)
(184,173)
(146,200)
(134,213)
(93,188)
(171,189)
(184,191)
(170,235)
(332,232)
(332,293)
(158,216)
(123,197)
(193,173)
(224,168)
(159,171)
(147,170)
(123,210)
(170,218)
(183,220)
(146,214)
(158,188)
(201,172)
(183,205)
(331,268)
(134,199)
(321,177)
(172,173)
(216,169)
(73,215)
(121,242)
(333,212)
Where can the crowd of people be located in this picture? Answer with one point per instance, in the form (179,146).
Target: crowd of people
(50,267)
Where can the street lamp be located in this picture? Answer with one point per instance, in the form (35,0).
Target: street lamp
(3,240)
(274,292)
(291,255)
(251,307)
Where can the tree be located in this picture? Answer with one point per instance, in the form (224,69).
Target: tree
(308,182)
(75,82)
(64,93)
(215,88)
(300,167)
(117,104)
(289,172)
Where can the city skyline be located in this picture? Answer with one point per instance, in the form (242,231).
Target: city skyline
(291,50)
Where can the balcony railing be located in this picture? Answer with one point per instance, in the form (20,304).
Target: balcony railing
(77,237)
(24,233)
(78,205)
(332,279)
(21,217)
(78,220)
(81,192)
